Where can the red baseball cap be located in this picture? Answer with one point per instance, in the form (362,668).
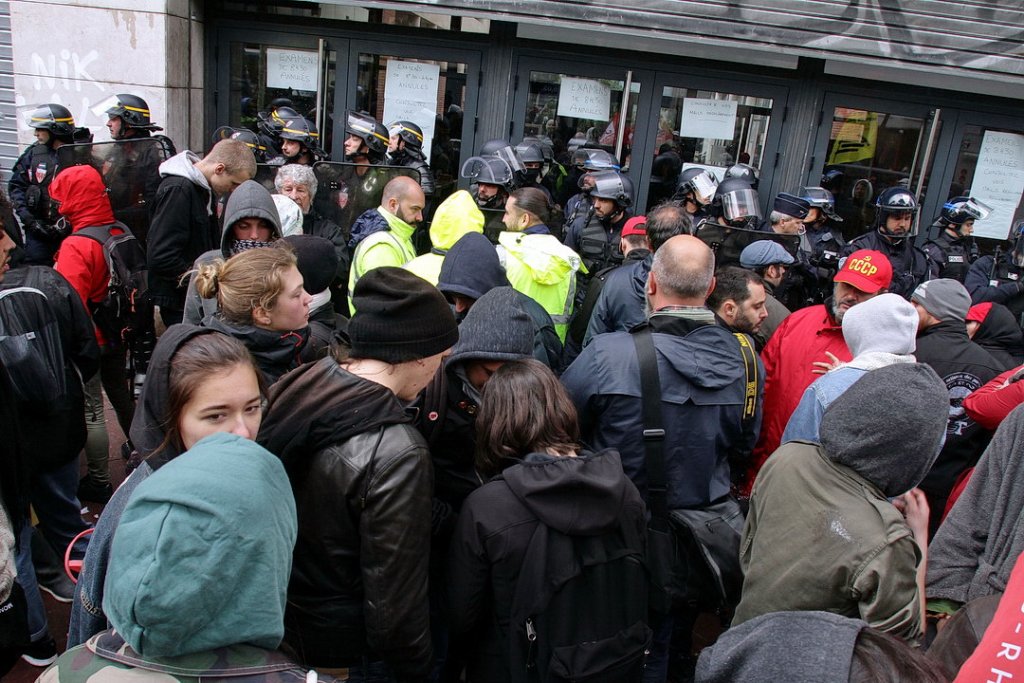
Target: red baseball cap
(867,270)
(635,226)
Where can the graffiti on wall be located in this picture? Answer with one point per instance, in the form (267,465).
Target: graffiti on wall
(64,77)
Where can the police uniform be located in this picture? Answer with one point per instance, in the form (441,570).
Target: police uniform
(999,282)
(30,197)
(909,262)
(951,256)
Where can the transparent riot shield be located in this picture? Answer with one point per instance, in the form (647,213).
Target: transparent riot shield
(265,175)
(131,172)
(728,242)
(345,190)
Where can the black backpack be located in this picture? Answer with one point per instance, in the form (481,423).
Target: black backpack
(580,608)
(31,354)
(125,315)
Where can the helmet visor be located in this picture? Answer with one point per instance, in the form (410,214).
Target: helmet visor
(509,156)
(1017,254)
(491,170)
(976,209)
(740,204)
(704,186)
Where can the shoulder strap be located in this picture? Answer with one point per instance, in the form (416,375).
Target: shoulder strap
(750,383)
(654,431)
(97,233)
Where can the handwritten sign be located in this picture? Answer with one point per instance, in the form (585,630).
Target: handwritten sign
(583,98)
(410,94)
(999,182)
(291,69)
(715,119)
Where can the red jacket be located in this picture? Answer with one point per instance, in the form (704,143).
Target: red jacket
(84,203)
(802,338)
(992,402)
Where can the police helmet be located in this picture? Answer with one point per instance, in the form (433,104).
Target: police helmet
(491,147)
(489,171)
(271,123)
(133,111)
(832,179)
(246,136)
(408,132)
(615,186)
(304,131)
(736,201)
(545,147)
(743,172)
(590,159)
(893,201)
(530,153)
(373,133)
(281,102)
(1017,251)
(823,200)
(54,118)
(959,210)
(699,181)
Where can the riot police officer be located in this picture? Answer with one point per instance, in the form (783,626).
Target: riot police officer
(300,143)
(744,172)
(695,191)
(733,221)
(585,162)
(405,148)
(595,236)
(492,182)
(129,117)
(30,181)
(532,156)
(824,239)
(1000,277)
(893,234)
(270,125)
(953,251)
(366,139)
(250,139)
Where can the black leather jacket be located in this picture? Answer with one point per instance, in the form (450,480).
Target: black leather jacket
(362,481)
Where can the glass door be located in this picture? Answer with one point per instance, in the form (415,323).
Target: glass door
(431,86)
(712,124)
(581,105)
(865,146)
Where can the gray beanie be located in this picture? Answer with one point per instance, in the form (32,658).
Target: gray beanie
(889,425)
(887,322)
(496,328)
(946,299)
(797,647)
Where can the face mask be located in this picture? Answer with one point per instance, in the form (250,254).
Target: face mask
(245,245)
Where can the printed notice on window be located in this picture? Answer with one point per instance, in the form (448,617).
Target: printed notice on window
(583,98)
(715,119)
(291,69)
(999,182)
(410,94)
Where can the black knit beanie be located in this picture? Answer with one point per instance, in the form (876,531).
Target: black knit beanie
(317,261)
(399,317)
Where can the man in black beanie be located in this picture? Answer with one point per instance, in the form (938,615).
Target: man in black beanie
(361,476)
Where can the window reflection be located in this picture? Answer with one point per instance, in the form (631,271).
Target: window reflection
(709,129)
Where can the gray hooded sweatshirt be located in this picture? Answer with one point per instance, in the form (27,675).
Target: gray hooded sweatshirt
(249,200)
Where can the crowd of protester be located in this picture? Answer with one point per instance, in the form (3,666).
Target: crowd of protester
(512,433)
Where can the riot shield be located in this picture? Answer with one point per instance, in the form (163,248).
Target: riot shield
(728,242)
(265,175)
(131,172)
(345,190)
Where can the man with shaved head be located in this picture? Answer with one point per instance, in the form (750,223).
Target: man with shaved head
(704,371)
(390,244)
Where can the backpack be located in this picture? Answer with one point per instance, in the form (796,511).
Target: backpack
(580,608)
(125,316)
(31,354)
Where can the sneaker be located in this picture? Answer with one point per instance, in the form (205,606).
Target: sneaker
(59,587)
(89,489)
(41,652)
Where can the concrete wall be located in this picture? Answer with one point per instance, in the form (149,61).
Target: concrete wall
(80,53)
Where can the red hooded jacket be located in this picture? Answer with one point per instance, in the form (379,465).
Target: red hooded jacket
(84,203)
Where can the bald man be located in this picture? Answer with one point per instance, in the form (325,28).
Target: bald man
(401,208)
(703,370)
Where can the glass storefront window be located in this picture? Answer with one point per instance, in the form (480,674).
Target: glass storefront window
(709,129)
(255,84)
(552,100)
(868,152)
(990,168)
(440,114)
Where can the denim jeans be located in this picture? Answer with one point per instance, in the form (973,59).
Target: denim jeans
(55,501)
